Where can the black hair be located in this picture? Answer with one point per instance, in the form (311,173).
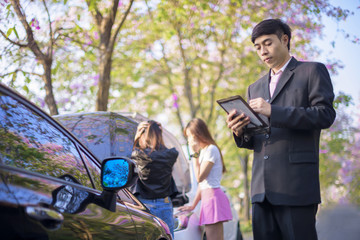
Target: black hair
(271,26)
(151,132)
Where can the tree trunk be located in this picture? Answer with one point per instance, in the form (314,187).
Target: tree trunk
(244,163)
(109,31)
(104,81)
(44,59)
(49,98)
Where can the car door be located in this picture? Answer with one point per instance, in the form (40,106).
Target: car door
(147,226)
(45,176)
(9,216)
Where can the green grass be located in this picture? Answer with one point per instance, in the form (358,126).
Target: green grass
(245,226)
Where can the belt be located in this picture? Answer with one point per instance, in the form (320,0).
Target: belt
(165,199)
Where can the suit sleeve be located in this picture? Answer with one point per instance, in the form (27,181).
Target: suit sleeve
(242,141)
(319,114)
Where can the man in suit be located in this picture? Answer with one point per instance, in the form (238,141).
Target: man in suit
(296,98)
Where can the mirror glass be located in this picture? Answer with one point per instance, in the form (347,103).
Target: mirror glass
(115,173)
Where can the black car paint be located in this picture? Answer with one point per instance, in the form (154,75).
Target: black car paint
(44,204)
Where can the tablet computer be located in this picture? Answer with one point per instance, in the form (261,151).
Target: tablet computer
(256,125)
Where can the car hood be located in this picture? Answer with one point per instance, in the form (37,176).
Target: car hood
(109,134)
(106,134)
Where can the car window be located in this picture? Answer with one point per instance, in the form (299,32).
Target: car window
(30,142)
(94,169)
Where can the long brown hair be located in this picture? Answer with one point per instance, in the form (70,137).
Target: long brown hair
(200,130)
(151,132)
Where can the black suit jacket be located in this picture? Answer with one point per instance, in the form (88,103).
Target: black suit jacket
(286,161)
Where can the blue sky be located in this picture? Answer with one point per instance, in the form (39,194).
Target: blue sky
(348,78)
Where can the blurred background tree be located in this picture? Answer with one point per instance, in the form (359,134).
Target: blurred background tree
(169,60)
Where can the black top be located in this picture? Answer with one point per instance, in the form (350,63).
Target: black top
(155,173)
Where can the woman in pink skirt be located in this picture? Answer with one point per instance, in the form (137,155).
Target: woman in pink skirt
(209,167)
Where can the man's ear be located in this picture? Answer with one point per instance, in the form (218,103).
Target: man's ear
(285,39)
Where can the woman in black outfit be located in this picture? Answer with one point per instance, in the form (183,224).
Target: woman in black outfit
(155,186)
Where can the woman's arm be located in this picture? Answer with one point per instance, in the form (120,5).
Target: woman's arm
(193,205)
(204,170)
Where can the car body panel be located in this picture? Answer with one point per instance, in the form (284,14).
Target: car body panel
(81,216)
(49,189)
(183,173)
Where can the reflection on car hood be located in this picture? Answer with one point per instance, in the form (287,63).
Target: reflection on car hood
(106,134)
(109,134)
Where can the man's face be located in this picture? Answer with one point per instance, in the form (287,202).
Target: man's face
(272,50)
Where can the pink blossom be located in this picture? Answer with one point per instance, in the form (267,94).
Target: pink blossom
(175,98)
(75,86)
(96,35)
(35,23)
(42,102)
(96,80)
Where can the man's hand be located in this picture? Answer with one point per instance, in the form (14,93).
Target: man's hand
(259,105)
(237,122)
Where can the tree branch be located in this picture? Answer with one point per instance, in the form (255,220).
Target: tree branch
(30,36)
(80,42)
(97,16)
(51,42)
(20,70)
(169,72)
(11,41)
(186,70)
(113,39)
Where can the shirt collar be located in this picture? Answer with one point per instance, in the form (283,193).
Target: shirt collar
(281,69)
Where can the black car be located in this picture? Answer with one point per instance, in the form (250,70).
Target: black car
(109,134)
(53,187)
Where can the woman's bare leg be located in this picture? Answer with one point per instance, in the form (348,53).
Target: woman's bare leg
(214,231)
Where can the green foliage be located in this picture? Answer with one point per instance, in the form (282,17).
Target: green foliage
(339,157)
(343,99)
(173,59)
(246,226)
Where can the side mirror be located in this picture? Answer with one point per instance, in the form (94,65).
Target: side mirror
(117,173)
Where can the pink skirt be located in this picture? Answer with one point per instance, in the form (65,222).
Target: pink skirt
(215,206)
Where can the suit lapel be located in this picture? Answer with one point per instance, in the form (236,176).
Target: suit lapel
(285,76)
(265,86)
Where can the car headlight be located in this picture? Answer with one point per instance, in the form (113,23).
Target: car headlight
(181,220)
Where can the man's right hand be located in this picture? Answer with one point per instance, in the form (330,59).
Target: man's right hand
(236,122)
